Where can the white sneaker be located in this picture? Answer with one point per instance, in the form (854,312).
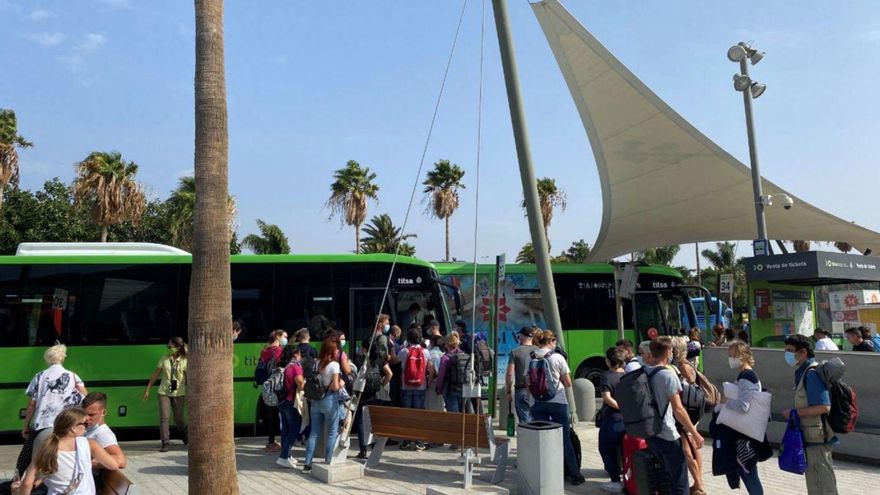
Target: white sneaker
(612,487)
(289,463)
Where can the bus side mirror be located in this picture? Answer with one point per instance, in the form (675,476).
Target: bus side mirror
(456,298)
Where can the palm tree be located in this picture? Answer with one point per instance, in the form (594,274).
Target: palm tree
(801,246)
(383,237)
(182,204)
(211,457)
(550,197)
(526,254)
(441,189)
(659,255)
(843,247)
(724,258)
(272,240)
(9,141)
(352,187)
(106,183)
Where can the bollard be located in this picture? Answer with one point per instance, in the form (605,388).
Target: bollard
(503,408)
(585,399)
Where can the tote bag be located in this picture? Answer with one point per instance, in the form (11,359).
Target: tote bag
(792,456)
(752,424)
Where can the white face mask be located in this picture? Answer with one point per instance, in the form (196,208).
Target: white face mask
(734,362)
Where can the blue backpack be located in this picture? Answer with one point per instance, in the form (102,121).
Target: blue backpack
(875,339)
(542,383)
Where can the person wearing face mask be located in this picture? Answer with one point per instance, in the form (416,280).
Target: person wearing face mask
(270,356)
(812,401)
(733,445)
(171,370)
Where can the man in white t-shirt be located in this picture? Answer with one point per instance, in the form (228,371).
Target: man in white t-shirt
(95,404)
(823,340)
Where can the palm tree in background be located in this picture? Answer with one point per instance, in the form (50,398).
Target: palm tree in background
(9,141)
(351,188)
(270,241)
(550,197)
(383,237)
(659,255)
(801,246)
(106,183)
(526,254)
(441,190)
(723,259)
(843,247)
(182,203)
(211,459)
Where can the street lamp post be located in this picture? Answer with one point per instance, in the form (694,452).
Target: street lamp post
(743,53)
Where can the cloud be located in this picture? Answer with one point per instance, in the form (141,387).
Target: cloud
(39,15)
(45,39)
(91,42)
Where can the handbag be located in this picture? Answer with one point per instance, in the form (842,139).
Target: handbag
(753,423)
(792,454)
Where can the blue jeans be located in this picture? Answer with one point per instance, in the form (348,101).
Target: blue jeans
(672,457)
(412,399)
(453,401)
(291,422)
(326,409)
(751,481)
(521,402)
(558,413)
(610,436)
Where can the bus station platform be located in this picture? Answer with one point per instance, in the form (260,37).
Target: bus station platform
(407,472)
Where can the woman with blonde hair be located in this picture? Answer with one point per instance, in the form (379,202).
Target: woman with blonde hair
(688,375)
(64,461)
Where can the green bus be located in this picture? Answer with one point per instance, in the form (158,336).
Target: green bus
(585,293)
(116,309)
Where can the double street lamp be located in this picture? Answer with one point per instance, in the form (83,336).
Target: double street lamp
(743,53)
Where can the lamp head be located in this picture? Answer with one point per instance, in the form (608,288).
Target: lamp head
(736,53)
(757,89)
(741,82)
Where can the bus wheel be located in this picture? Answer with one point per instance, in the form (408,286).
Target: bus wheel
(592,370)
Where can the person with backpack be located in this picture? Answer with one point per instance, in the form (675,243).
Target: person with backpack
(610,421)
(517,368)
(377,376)
(452,374)
(650,401)
(291,421)
(688,376)
(302,337)
(812,401)
(732,444)
(269,358)
(547,379)
(322,387)
(417,370)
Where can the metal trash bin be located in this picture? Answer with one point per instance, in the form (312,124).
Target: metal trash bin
(539,458)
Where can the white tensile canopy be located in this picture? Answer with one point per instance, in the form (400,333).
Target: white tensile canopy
(662,178)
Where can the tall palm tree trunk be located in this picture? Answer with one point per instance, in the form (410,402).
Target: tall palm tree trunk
(211,450)
(447,238)
(357,238)
(104,231)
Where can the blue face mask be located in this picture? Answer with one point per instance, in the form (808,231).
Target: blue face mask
(790,358)
(283,342)
(386,328)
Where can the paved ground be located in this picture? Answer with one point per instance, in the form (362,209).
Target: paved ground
(410,472)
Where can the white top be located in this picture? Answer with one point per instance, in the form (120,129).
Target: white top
(72,466)
(558,368)
(327,373)
(632,365)
(826,344)
(103,435)
(52,389)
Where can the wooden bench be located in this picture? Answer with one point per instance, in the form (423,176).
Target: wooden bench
(435,427)
(113,483)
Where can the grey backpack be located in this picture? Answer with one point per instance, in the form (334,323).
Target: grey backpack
(638,405)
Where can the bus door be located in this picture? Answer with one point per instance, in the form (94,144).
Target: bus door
(668,311)
(363,308)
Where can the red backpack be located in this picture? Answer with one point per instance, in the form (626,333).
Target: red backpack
(414,367)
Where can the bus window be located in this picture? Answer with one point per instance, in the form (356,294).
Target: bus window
(672,305)
(647,314)
(306,296)
(405,302)
(38,304)
(363,310)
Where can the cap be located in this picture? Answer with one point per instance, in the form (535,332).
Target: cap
(525,331)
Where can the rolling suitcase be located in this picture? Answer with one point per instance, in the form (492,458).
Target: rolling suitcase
(630,445)
(650,477)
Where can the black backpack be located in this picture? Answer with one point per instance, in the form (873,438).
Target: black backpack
(638,405)
(313,388)
(844,411)
(263,370)
(457,369)
(372,374)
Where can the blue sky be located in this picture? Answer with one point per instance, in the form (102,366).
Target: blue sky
(314,84)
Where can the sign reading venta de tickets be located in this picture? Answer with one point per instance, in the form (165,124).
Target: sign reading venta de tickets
(813,265)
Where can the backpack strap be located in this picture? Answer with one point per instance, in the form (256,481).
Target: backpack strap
(651,374)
